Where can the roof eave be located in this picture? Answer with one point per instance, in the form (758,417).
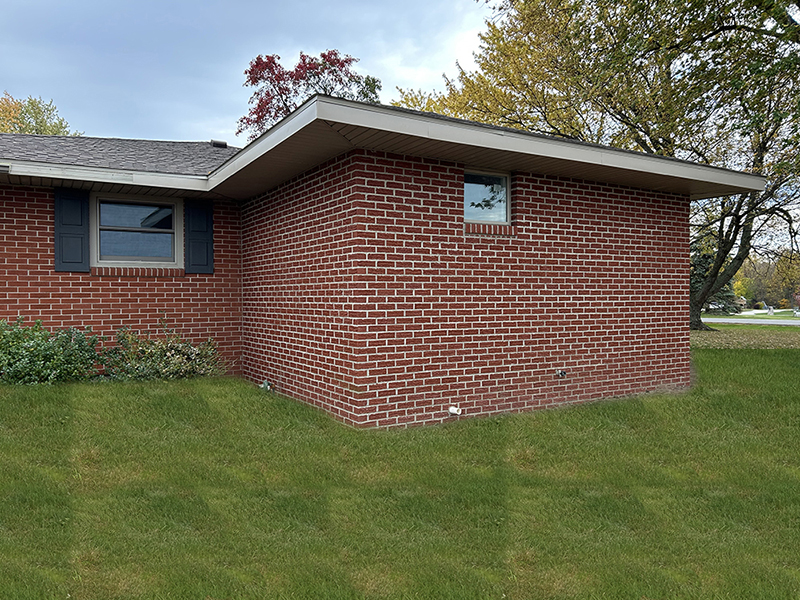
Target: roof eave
(337,125)
(324,127)
(37,173)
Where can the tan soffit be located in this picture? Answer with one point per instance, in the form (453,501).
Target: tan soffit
(325,127)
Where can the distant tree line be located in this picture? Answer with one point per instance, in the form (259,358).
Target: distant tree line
(774,281)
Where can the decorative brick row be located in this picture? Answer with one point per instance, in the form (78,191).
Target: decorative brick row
(490,229)
(139,272)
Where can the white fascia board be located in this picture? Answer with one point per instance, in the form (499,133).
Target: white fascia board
(100,175)
(376,117)
(390,120)
(647,163)
(282,131)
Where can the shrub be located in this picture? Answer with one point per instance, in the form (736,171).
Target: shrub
(31,354)
(168,356)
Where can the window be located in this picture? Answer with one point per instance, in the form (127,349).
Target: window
(136,232)
(122,231)
(486,198)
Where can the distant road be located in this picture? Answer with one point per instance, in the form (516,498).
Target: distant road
(791,322)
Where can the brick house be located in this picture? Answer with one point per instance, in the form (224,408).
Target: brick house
(380,263)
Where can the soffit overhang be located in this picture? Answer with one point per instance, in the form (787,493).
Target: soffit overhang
(327,127)
(102,180)
(324,127)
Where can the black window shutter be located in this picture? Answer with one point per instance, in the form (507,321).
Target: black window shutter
(72,230)
(199,237)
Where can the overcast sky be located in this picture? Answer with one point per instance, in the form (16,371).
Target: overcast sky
(173,69)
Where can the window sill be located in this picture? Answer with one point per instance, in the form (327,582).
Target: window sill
(137,272)
(492,229)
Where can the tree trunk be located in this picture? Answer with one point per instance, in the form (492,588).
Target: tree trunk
(695,320)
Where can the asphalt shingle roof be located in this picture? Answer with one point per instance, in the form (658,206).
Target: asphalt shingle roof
(176,158)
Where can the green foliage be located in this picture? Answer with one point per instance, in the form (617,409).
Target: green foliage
(140,356)
(32,116)
(772,279)
(31,354)
(40,117)
(712,82)
(744,286)
(724,300)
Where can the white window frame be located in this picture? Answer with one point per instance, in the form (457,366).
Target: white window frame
(94,231)
(507,179)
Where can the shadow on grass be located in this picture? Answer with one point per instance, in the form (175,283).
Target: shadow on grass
(213,489)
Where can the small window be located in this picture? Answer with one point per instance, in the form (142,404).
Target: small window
(137,233)
(486,198)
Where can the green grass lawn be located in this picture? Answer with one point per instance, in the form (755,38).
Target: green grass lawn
(755,336)
(212,489)
(778,314)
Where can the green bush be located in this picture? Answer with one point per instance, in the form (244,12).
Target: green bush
(31,354)
(139,356)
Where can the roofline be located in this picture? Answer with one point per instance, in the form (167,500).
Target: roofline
(21,168)
(541,136)
(458,131)
(409,123)
(306,114)
(481,135)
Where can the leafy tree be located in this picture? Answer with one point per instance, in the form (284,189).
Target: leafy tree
(32,115)
(787,275)
(744,286)
(773,279)
(714,82)
(279,91)
(702,260)
(9,112)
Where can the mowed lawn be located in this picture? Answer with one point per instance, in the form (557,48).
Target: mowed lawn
(212,489)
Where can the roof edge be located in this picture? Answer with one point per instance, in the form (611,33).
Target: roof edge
(442,128)
(195,183)
(414,124)
(306,114)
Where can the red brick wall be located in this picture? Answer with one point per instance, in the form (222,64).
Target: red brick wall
(297,288)
(365,293)
(197,306)
(357,287)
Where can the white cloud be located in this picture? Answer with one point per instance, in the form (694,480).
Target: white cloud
(174,70)
(420,61)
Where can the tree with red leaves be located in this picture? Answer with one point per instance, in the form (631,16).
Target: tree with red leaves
(279,92)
